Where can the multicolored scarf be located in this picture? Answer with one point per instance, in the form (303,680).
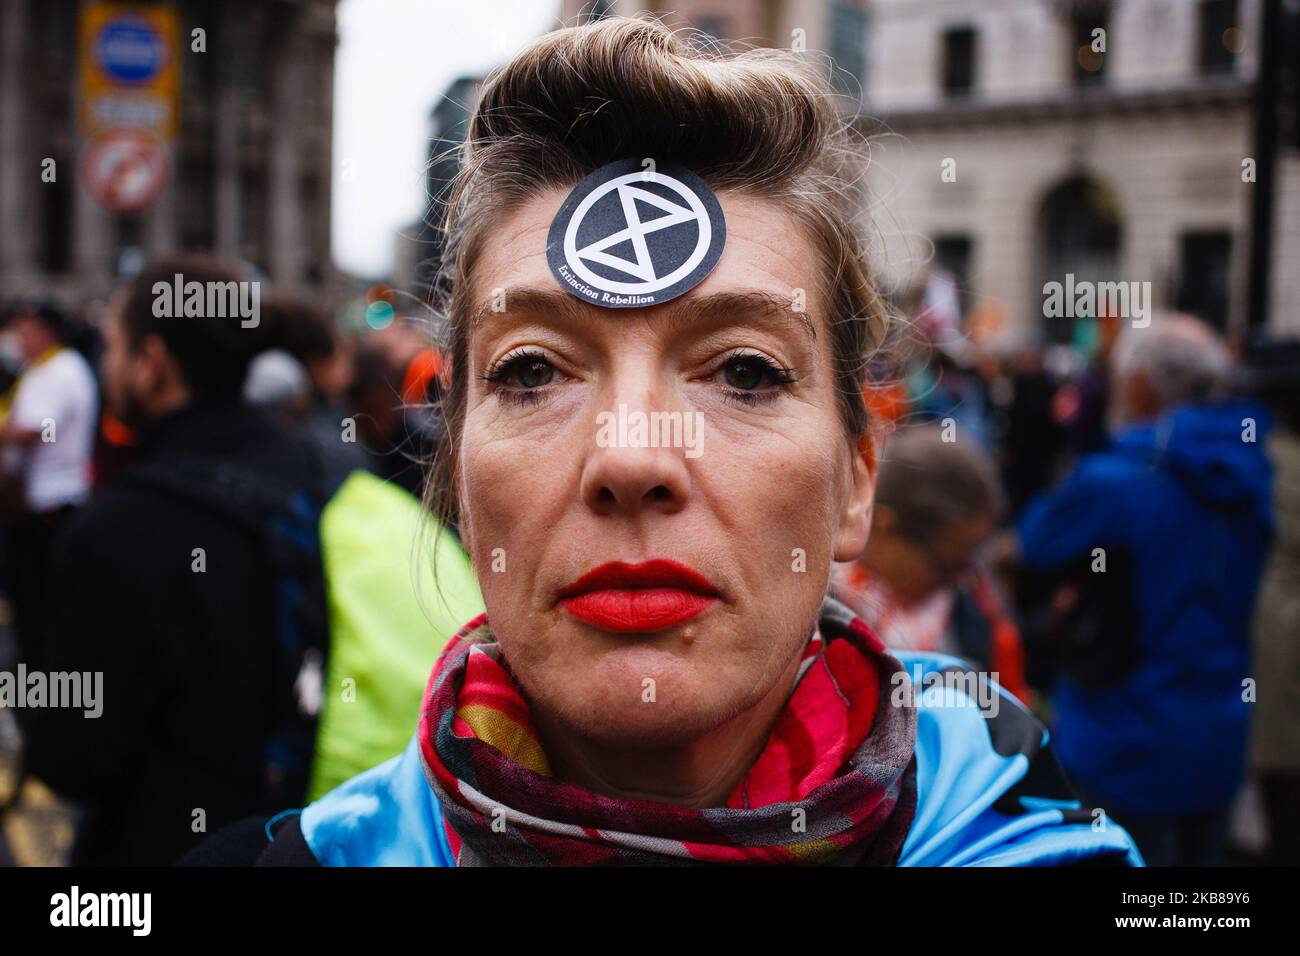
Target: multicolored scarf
(835,783)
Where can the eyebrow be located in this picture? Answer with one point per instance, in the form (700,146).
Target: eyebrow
(707,309)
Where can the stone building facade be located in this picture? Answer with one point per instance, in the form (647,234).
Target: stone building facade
(1013,145)
(250,165)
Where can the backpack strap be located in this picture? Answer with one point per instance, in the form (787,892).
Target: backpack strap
(254,841)
(288,847)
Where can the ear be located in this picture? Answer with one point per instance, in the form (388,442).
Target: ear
(153,364)
(1148,399)
(855,516)
(1137,399)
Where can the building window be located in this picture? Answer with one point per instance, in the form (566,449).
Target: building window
(1204,270)
(309,201)
(252,213)
(1080,226)
(1221,38)
(195,182)
(1091,40)
(958,61)
(53,252)
(129,254)
(52,107)
(952,254)
(195,198)
(713,27)
(848,47)
(599,10)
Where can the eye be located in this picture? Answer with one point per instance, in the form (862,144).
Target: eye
(751,378)
(521,376)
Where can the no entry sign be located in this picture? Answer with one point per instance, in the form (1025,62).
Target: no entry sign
(125,170)
(129,102)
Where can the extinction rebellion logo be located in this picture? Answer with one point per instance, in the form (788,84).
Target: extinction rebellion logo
(635,233)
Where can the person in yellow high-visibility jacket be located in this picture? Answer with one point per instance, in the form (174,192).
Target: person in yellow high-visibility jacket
(388,621)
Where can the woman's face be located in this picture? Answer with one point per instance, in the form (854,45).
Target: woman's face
(763,491)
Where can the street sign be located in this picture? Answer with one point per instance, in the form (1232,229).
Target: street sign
(125,170)
(130,50)
(129,68)
(128,99)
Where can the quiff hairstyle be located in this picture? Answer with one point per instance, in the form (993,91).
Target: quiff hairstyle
(761,122)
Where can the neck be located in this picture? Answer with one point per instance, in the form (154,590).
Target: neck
(44,349)
(166,401)
(700,773)
(876,560)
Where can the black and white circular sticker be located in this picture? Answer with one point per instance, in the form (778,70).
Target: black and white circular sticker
(636,233)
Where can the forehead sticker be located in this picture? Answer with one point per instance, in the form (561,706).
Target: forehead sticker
(633,235)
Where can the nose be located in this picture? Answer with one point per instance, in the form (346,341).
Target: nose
(630,478)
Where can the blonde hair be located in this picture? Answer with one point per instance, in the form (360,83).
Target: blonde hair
(758,121)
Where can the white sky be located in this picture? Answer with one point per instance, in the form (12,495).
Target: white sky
(394,59)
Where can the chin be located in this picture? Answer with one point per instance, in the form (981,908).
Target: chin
(608,705)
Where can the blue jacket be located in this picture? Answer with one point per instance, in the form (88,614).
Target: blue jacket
(989,793)
(1187,497)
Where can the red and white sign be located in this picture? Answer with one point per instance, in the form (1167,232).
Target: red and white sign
(125,170)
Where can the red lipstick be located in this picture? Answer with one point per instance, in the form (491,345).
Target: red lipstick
(631,598)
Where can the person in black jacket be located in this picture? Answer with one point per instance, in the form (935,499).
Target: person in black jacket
(167,597)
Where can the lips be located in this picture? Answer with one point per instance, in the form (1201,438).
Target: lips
(632,598)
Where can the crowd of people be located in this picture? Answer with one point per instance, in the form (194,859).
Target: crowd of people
(1150,494)
(193,577)
(222,520)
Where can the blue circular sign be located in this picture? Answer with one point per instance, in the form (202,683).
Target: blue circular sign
(129,50)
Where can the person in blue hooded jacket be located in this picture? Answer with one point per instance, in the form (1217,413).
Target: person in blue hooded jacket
(656,444)
(1170,526)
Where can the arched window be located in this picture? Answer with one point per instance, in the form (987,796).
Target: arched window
(1080,224)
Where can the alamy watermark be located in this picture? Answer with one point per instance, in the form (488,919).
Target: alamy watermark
(624,429)
(946,688)
(133,911)
(219,300)
(1084,299)
(78,690)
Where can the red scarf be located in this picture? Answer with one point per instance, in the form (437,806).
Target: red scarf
(835,782)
